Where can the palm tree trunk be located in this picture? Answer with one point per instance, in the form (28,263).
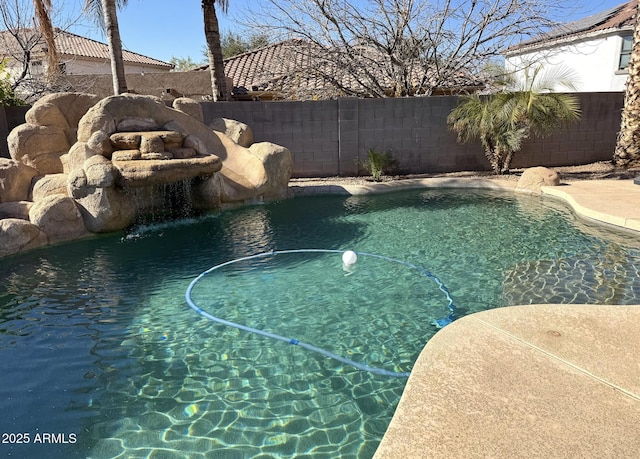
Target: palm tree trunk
(628,144)
(43,10)
(214,51)
(506,164)
(491,153)
(115,46)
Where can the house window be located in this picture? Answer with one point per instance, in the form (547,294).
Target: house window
(625,52)
(35,68)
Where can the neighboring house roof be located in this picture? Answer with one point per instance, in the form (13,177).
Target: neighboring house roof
(275,69)
(72,45)
(255,68)
(617,18)
(297,68)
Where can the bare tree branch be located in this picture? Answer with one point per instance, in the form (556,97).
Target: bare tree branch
(380,48)
(23,44)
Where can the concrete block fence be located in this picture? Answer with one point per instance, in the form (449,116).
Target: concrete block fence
(10,117)
(330,137)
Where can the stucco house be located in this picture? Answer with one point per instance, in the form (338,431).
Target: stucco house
(595,49)
(78,55)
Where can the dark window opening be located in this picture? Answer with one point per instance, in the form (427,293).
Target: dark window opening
(625,52)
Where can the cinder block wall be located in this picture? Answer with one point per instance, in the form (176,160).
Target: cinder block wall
(592,139)
(10,117)
(328,138)
(310,129)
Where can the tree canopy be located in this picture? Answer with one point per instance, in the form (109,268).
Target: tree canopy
(402,47)
(236,43)
(183,64)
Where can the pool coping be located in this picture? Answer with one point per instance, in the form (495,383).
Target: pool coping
(528,380)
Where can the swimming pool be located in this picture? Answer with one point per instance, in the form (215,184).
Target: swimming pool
(101,352)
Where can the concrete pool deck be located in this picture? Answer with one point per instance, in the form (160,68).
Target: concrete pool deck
(526,381)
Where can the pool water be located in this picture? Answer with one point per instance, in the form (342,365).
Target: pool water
(100,349)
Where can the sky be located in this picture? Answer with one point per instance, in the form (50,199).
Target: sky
(163,29)
(158,28)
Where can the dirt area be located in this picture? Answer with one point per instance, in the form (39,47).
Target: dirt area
(594,171)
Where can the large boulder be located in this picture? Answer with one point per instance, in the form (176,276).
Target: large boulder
(58,217)
(17,235)
(15,180)
(205,192)
(49,185)
(63,109)
(239,132)
(189,106)
(105,209)
(100,172)
(15,209)
(278,164)
(534,178)
(46,114)
(39,147)
(49,131)
(72,105)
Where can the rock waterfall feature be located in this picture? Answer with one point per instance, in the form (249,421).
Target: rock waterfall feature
(83,165)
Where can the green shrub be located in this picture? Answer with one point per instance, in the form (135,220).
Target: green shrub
(8,97)
(379,163)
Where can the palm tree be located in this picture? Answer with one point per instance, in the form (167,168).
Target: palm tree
(105,12)
(502,121)
(43,20)
(214,49)
(628,144)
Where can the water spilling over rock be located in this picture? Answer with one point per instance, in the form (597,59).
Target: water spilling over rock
(83,165)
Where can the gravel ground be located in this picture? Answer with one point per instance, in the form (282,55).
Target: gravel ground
(594,171)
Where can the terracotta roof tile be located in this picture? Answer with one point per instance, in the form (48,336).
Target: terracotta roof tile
(70,44)
(298,68)
(257,67)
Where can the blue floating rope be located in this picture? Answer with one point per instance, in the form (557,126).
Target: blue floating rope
(378,371)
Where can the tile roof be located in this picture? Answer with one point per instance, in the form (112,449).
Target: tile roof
(621,16)
(297,68)
(70,44)
(261,67)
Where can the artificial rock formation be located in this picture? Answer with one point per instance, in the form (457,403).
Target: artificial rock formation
(15,180)
(49,131)
(534,178)
(239,132)
(83,165)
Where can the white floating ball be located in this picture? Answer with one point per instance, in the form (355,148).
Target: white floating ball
(349,258)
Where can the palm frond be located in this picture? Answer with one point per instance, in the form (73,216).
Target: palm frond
(537,79)
(93,9)
(502,121)
(469,117)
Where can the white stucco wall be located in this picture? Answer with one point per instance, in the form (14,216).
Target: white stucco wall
(79,66)
(594,60)
(84,66)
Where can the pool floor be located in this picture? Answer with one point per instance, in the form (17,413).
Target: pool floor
(99,341)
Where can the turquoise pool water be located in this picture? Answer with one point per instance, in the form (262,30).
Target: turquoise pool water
(103,358)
